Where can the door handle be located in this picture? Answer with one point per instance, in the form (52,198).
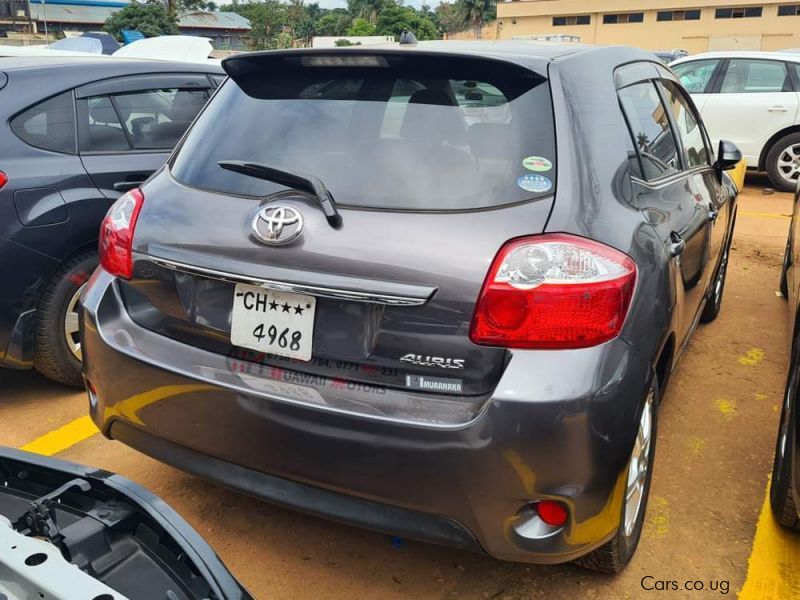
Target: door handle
(124,186)
(778,109)
(713,214)
(676,244)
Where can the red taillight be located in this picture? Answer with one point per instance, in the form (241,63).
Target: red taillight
(116,234)
(552,512)
(553,291)
(3,179)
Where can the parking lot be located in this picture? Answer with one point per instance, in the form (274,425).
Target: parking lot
(706,521)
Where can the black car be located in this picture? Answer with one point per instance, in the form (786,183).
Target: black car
(76,133)
(434,291)
(785,484)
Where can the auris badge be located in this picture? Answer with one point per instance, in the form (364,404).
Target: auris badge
(277,224)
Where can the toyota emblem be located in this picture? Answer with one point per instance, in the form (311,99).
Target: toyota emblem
(277,224)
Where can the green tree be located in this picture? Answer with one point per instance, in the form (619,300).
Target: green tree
(334,22)
(151,18)
(295,14)
(450,19)
(366,9)
(314,11)
(476,13)
(361,27)
(307,27)
(267,21)
(395,17)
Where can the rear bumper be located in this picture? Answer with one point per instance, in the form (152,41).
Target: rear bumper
(559,425)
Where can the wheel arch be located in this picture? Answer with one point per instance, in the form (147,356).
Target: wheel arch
(55,341)
(762,159)
(83,248)
(664,362)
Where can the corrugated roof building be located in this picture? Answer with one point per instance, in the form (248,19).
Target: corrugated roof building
(227,30)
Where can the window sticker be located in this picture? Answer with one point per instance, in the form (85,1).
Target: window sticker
(535,183)
(538,164)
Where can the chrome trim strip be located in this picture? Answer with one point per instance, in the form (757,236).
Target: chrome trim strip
(298,288)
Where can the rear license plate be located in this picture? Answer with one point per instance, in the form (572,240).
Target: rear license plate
(279,323)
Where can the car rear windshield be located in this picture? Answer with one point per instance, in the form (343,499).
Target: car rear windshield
(421,133)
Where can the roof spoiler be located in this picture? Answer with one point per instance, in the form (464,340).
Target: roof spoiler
(266,74)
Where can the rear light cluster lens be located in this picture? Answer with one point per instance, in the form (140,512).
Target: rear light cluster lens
(3,179)
(116,234)
(554,291)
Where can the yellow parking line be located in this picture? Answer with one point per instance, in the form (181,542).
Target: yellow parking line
(749,213)
(63,437)
(772,570)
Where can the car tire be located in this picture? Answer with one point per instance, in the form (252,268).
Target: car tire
(615,554)
(781,495)
(782,169)
(56,352)
(784,284)
(714,300)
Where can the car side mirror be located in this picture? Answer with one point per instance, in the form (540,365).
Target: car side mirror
(728,156)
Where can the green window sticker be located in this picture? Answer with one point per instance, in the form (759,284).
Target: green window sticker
(539,164)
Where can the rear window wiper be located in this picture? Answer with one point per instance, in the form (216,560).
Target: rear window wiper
(305,183)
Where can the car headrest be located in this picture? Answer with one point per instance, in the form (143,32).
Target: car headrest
(103,114)
(431,96)
(185,106)
(432,116)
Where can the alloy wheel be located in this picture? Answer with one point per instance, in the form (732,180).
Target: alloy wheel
(638,467)
(789,164)
(71,330)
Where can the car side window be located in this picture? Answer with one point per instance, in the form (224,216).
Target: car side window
(104,132)
(650,128)
(156,119)
(49,125)
(696,151)
(746,76)
(696,75)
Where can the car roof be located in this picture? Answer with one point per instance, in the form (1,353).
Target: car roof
(499,48)
(104,63)
(757,54)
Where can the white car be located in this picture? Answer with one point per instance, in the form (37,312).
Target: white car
(753,100)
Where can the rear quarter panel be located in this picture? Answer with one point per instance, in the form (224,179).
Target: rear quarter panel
(595,197)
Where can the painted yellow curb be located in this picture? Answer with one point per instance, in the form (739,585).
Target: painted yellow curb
(774,567)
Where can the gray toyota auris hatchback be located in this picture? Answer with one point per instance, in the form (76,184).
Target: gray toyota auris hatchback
(432,291)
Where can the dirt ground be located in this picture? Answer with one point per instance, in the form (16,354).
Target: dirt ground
(716,436)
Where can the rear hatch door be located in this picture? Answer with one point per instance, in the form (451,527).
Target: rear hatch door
(434,161)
